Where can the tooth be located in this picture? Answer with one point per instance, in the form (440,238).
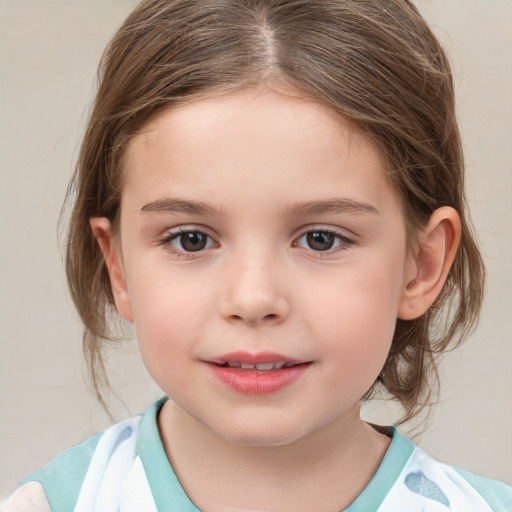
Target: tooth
(265,366)
(261,366)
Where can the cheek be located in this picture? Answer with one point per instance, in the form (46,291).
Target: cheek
(362,298)
(169,319)
(356,315)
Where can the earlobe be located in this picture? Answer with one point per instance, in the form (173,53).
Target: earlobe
(102,231)
(432,259)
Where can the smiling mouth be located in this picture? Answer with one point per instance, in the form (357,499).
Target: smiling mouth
(261,367)
(257,374)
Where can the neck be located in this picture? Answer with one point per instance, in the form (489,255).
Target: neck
(325,470)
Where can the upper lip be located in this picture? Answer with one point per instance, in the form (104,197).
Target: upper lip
(253,359)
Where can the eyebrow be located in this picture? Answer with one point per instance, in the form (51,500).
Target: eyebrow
(330,206)
(176,205)
(171,205)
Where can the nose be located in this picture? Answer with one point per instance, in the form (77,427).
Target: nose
(253,291)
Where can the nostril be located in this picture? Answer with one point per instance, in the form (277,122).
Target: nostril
(270,317)
(254,310)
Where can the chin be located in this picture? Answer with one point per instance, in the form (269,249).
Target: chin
(259,435)
(257,440)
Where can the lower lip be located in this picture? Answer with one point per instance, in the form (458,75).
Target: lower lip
(254,382)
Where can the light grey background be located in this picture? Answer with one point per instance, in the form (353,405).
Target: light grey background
(49,50)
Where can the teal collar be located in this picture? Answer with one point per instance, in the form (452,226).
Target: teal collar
(170,496)
(167,491)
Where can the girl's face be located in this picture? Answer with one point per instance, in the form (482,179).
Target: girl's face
(260,229)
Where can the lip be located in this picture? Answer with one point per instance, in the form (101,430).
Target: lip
(253,381)
(259,358)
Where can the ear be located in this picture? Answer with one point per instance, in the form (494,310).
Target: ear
(101,230)
(431,262)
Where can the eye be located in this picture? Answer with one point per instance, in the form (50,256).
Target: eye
(322,240)
(187,241)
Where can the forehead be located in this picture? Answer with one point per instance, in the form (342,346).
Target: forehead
(254,140)
(288,113)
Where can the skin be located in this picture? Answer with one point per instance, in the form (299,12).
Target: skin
(254,157)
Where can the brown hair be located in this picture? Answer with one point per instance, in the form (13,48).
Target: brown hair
(376,63)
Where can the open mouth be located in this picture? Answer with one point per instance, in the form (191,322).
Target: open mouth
(257,374)
(262,367)
(258,378)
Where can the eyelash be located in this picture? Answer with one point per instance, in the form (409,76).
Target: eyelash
(167,240)
(343,241)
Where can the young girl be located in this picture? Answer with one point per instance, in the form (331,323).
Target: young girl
(271,191)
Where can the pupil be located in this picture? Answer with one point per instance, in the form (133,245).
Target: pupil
(320,240)
(192,242)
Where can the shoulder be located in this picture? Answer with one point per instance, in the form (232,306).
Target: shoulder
(434,482)
(30,497)
(62,476)
(57,485)
(497,494)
